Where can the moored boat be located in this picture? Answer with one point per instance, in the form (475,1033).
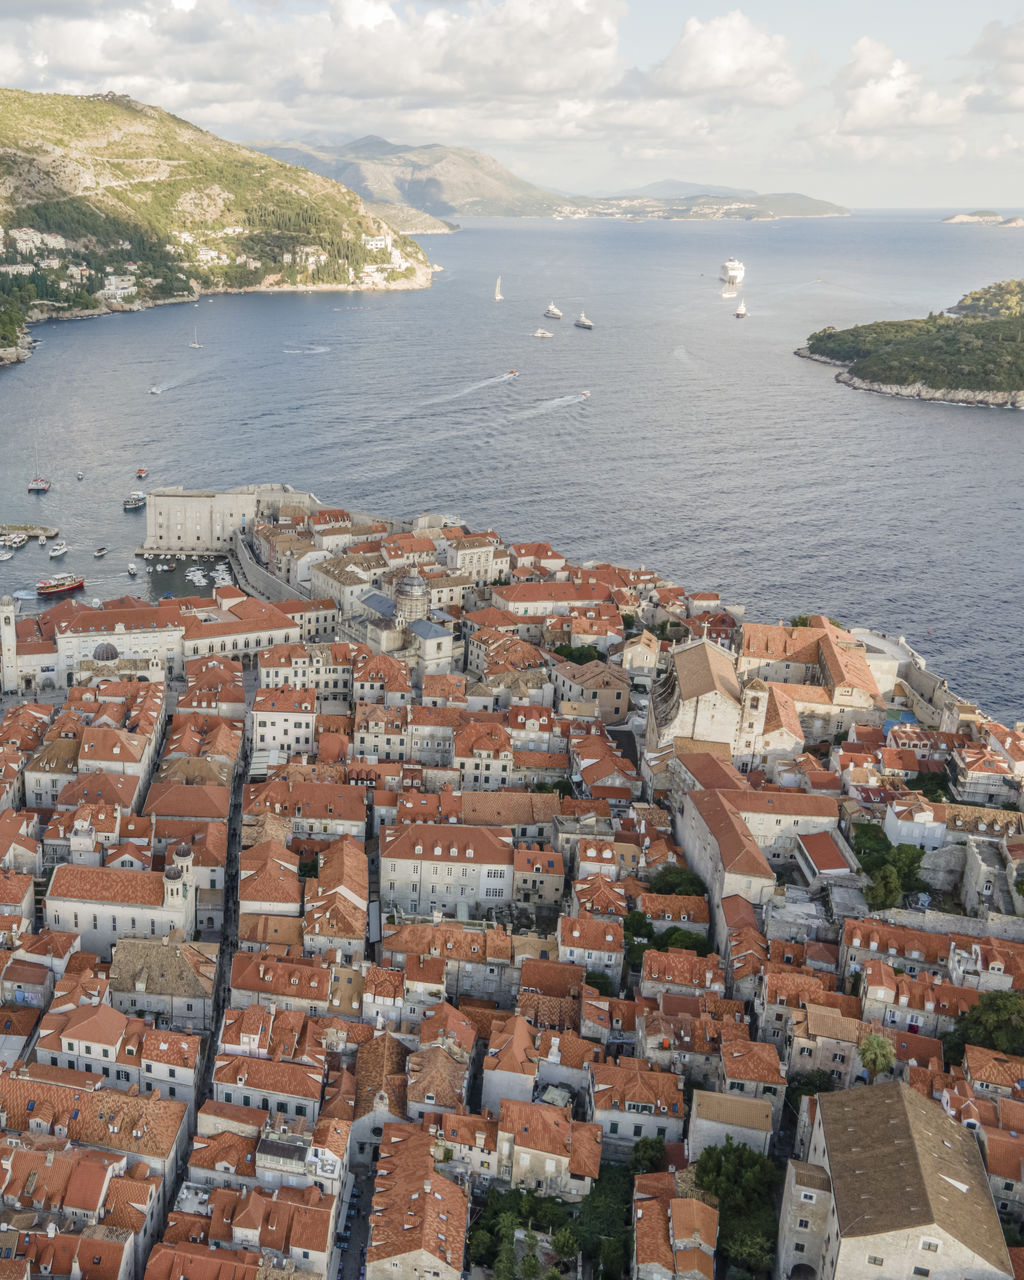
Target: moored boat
(133,568)
(134,501)
(741,311)
(39,484)
(733,271)
(553,312)
(581,322)
(60,584)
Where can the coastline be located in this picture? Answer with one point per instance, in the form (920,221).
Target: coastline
(21,351)
(919,390)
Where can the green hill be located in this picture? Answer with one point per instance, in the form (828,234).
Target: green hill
(939,352)
(115,188)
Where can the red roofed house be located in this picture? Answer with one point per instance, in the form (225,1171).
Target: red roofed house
(674,1237)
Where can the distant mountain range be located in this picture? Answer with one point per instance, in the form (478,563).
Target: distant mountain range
(671,189)
(451,182)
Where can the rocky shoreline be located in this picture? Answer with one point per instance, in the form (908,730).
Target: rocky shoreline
(21,351)
(920,390)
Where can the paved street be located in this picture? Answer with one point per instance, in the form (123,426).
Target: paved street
(353,1257)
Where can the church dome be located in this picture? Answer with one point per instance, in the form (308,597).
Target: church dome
(105,652)
(412,586)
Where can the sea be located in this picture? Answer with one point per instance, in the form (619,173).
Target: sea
(704,449)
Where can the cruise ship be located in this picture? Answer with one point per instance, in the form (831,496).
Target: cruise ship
(733,271)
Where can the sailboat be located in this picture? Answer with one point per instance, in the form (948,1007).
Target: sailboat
(498,295)
(195,343)
(39,482)
(741,310)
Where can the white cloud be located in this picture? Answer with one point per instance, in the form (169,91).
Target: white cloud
(729,57)
(1001,49)
(878,93)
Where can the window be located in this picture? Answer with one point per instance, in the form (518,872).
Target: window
(921,1271)
(874,1260)
(807,1197)
(803,1224)
(614,1126)
(930,1246)
(798,1248)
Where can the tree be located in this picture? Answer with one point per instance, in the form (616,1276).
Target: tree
(551,1215)
(565,1244)
(601,982)
(505,1263)
(481,1245)
(675,879)
(552,1273)
(807,1084)
(638,926)
(507,1223)
(648,1154)
(613,1257)
(885,889)
(530,1266)
(995,1022)
(877,1055)
(745,1183)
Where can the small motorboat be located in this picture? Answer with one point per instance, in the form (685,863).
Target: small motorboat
(6,555)
(741,311)
(133,568)
(58,549)
(42,539)
(584,394)
(80,475)
(513,373)
(141,473)
(100,551)
(154,391)
(541,333)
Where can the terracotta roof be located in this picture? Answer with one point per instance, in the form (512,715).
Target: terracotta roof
(414,1208)
(536,1126)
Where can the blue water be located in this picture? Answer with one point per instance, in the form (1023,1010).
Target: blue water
(705,448)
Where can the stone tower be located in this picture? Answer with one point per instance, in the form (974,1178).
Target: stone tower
(8,645)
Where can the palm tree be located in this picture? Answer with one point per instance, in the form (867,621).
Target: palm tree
(877,1056)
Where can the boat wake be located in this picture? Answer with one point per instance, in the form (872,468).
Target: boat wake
(305,351)
(551,406)
(23,595)
(474,386)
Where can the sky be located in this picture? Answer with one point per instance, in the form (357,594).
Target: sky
(882,103)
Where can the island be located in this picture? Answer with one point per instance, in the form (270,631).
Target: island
(973,354)
(108,204)
(986,217)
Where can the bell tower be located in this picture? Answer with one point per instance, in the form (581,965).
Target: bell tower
(8,644)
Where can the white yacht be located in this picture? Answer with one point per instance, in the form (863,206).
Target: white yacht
(542,333)
(58,549)
(733,271)
(741,311)
(553,312)
(581,322)
(133,568)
